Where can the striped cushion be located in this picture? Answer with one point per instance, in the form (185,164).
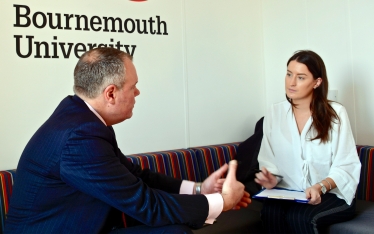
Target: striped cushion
(211,158)
(365,189)
(6,185)
(181,164)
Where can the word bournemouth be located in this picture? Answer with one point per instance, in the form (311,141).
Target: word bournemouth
(57,21)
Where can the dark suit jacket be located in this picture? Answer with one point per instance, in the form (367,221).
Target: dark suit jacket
(247,159)
(72,176)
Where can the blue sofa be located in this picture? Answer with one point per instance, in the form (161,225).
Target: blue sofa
(197,163)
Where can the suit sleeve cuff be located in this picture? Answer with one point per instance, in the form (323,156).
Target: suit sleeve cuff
(215,200)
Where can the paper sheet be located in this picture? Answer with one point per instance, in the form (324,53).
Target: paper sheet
(283,194)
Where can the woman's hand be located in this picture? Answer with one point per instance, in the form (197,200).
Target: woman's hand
(314,194)
(266,179)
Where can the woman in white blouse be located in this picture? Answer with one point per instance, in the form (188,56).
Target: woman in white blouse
(308,140)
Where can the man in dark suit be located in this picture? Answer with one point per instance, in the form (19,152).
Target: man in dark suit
(73,178)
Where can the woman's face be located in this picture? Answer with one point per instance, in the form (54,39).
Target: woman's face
(300,82)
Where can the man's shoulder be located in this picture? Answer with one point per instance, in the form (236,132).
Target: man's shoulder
(70,105)
(71,115)
(69,122)
(72,111)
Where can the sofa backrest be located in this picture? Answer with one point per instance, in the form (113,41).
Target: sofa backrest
(211,158)
(181,163)
(194,164)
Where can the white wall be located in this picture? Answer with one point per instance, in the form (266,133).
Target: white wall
(208,81)
(224,70)
(197,85)
(362,64)
(341,32)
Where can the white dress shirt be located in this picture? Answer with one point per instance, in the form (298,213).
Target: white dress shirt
(303,162)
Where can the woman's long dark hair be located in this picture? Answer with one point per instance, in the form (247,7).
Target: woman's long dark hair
(322,113)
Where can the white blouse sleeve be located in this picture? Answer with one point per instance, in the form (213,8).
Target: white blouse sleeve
(346,166)
(266,156)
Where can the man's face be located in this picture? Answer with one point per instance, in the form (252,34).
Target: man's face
(126,96)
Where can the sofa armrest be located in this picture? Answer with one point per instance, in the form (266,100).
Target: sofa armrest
(365,189)
(6,186)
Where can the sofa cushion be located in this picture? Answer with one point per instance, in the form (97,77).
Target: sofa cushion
(211,158)
(6,185)
(245,220)
(361,223)
(181,163)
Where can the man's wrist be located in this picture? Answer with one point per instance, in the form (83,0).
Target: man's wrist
(198,188)
(226,202)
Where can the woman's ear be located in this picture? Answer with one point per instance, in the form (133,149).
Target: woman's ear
(318,82)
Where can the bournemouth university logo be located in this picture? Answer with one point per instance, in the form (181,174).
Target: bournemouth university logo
(58,47)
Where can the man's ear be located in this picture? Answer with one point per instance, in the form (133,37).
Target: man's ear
(110,93)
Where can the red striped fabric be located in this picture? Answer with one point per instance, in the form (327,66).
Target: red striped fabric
(211,158)
(180,163)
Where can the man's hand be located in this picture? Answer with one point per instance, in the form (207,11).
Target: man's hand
(266,179)
(232,190)
(244,201)
(213,184)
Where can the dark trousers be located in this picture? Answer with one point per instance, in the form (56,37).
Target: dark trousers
(142,229)
(291,217)
(133,226)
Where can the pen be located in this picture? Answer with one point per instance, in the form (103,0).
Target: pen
(257,170)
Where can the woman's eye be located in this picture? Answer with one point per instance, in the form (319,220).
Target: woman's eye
(301,78)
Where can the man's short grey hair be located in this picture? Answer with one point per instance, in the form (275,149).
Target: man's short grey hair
(98,68)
